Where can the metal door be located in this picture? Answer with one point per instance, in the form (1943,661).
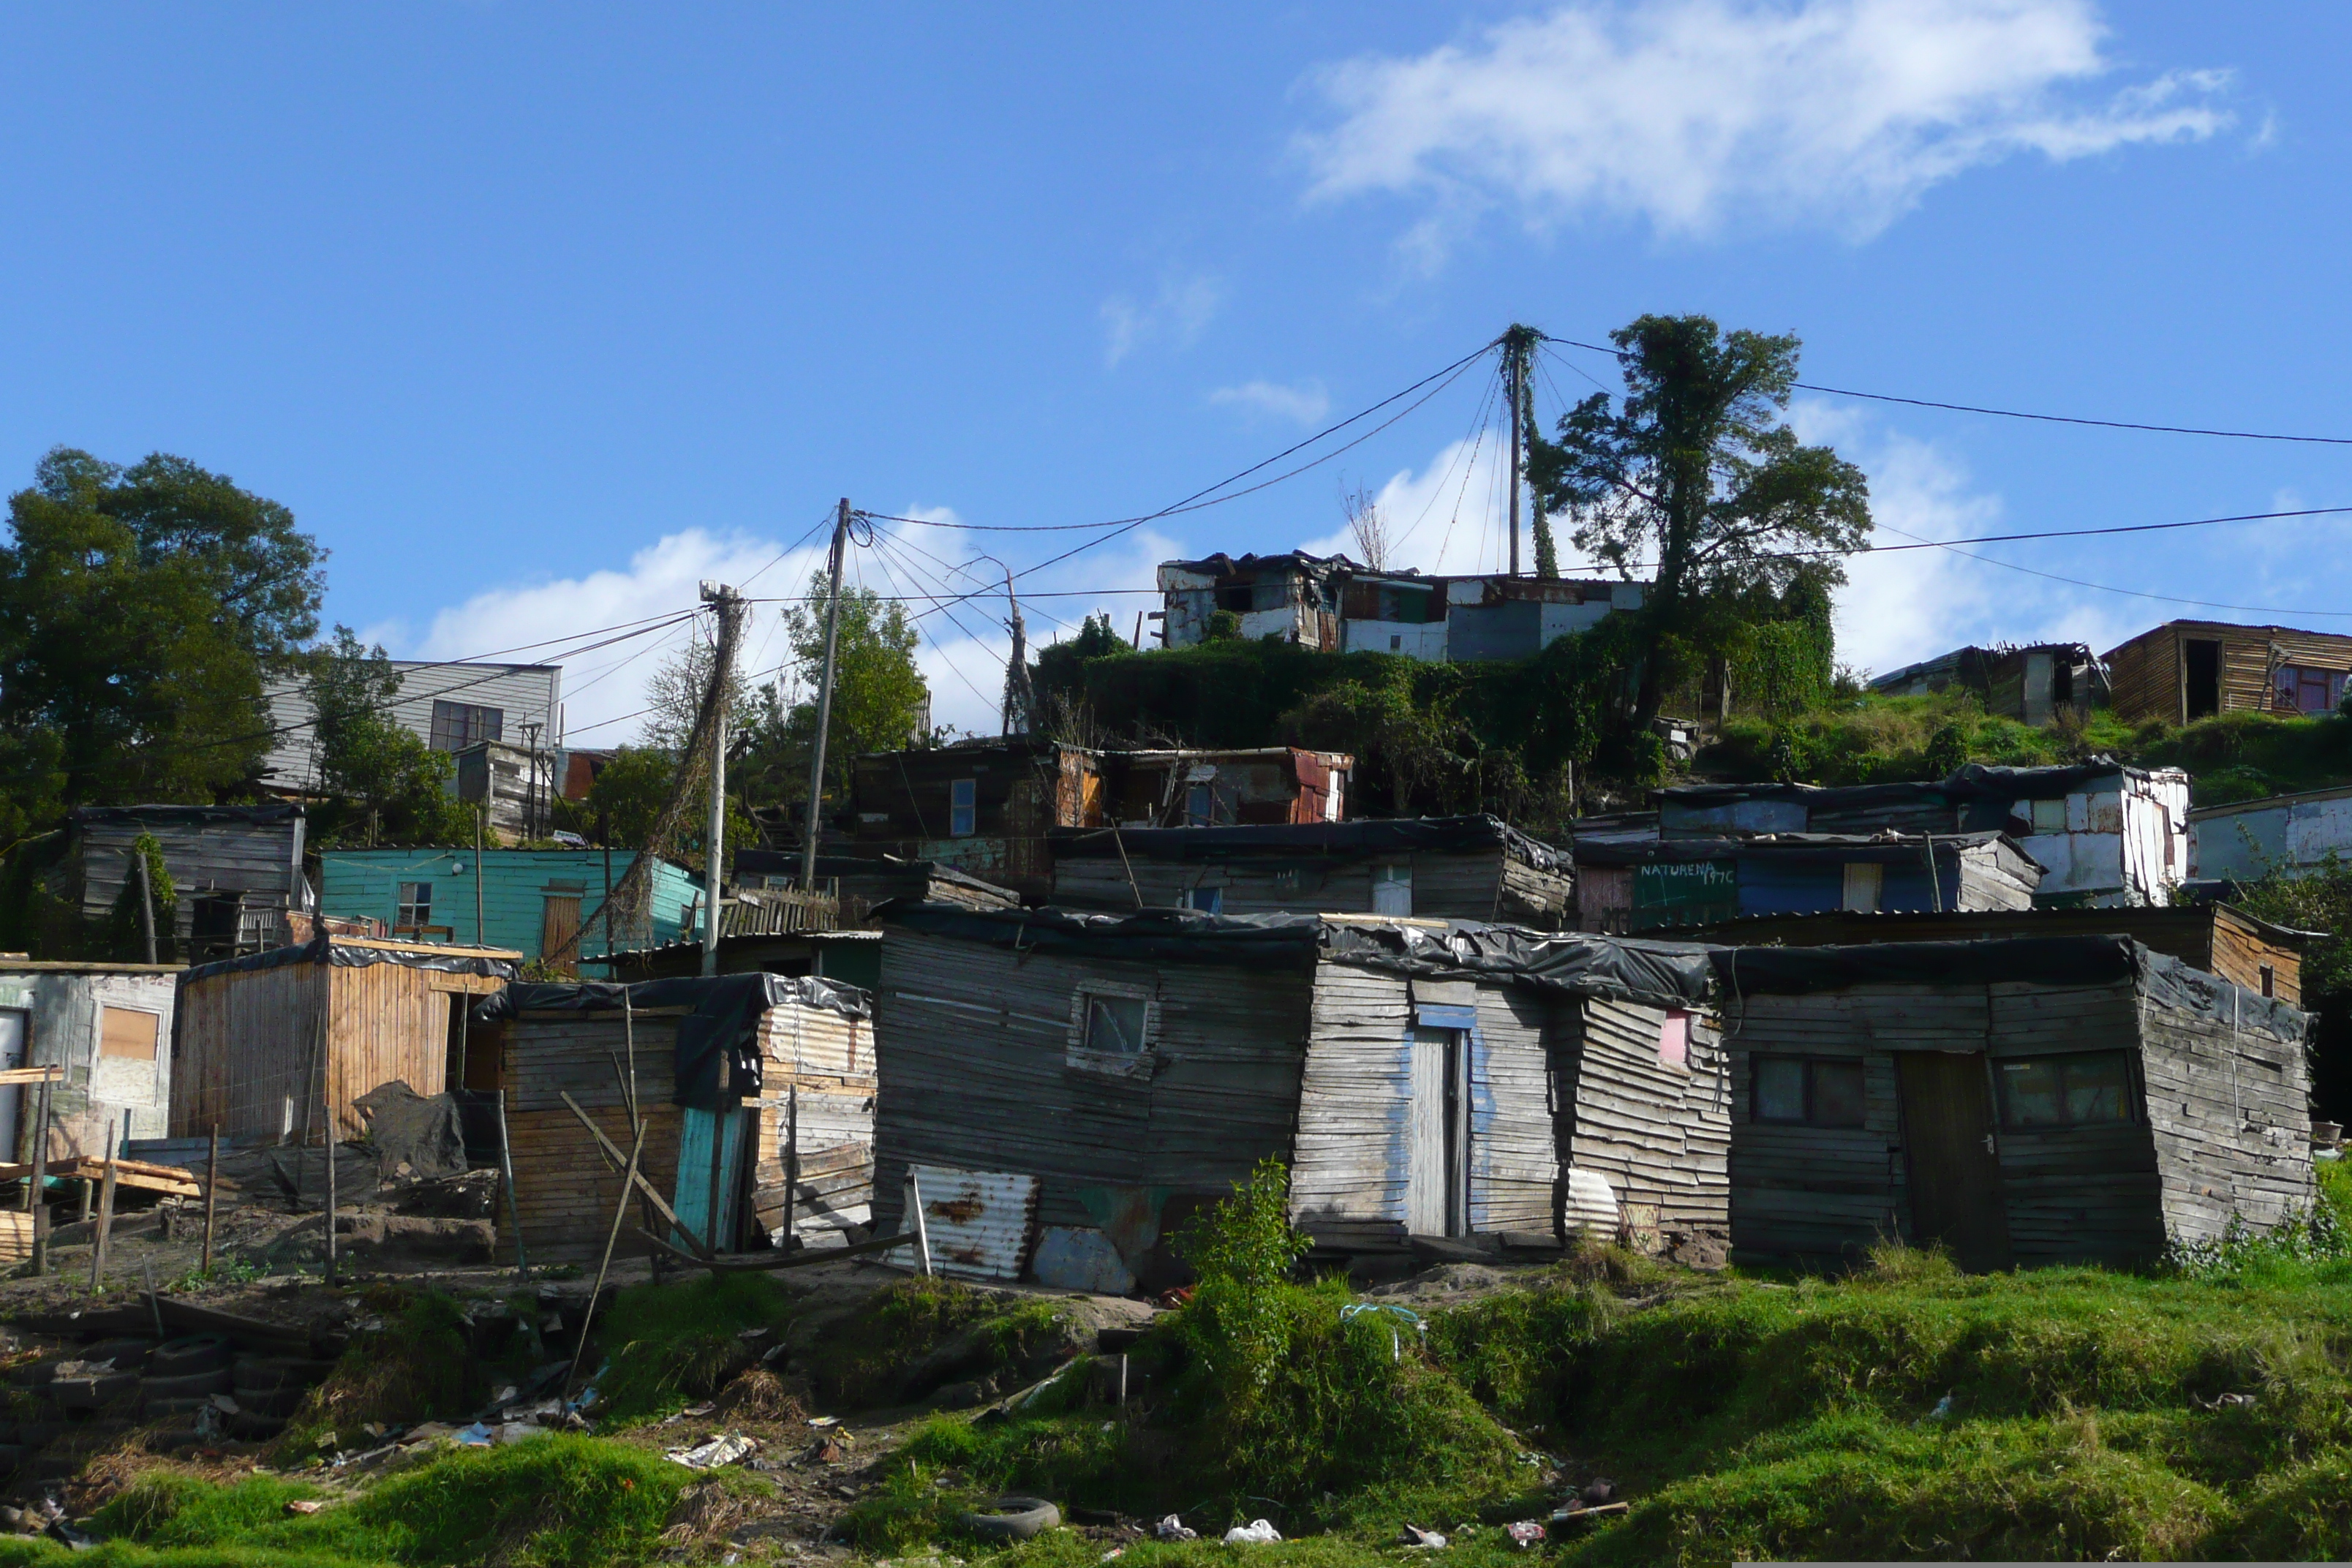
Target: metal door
(1948,1133)
(14,1031)
(710,1166)
(1437,1175)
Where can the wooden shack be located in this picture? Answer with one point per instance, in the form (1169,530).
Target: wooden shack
(109,1026)
(2218,939)
(236,870)
(1458,867)
(860,883)
(262,1038)
(777,1068)
(2021,1101)
(2183,670)
(1422,1080)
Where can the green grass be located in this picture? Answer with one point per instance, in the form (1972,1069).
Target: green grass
(860,1361)
(672,1344)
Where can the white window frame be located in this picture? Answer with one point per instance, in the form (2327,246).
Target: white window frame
(400,901)
(1112,1064)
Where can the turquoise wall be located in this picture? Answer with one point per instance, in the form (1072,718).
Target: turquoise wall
(515,884)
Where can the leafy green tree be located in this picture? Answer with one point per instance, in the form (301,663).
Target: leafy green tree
(397,786)
(140,610)
(1694,479)
(880,701)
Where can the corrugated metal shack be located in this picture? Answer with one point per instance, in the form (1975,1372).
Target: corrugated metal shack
(109,1027)
(236,870)
(2245,839)
(1682,881)
(2192,669)
(780,1069)
(2027,1101)
(1422,1078)
(2216,938)
(2034,685)
(851,957)
(1458,867)
(259,1039)
(860,883)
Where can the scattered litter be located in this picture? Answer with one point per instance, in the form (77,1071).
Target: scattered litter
(750,1334)
(1415,1535)
(304,1505)
(1174,1529)
(1597,1511)
(1256,1533)
(1600,1491)
(1114,1552)
(66,1369)
(709,1455)
(477,1435)
(825,1420)
(1943,1411)
(1524,1533)
(375,1429)
(426,1432)
(2225,1402)
(504,1395)
(516,1431)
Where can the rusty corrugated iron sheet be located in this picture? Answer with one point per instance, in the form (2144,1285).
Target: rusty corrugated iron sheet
(979,1221)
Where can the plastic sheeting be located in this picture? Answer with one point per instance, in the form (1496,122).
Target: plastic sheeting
(344,953)
(1310,839)
(2030,960)
(718,1060)
(1577,962)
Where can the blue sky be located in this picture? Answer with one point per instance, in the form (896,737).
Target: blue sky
(536,314)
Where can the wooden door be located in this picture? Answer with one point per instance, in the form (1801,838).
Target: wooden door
(1948,1133)
(559,932)
(1437,1183)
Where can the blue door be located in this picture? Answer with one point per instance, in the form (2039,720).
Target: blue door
(692,1198)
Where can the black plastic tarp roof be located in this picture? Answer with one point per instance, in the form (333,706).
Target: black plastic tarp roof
(2030,960)
(1976,781)
(1307,840)
(1674,974)
(718,1057)
(345,953)
(1840,847)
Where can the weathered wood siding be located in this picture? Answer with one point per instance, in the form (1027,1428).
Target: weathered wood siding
(565,1190)
(1993,877)
(62,1005)
(1658,1132)
(973,1073)
(2230,1109)
(1814,1191)
(2148,671)
(829,1058)
(202,858)
(1514,1149)
(1349,1175)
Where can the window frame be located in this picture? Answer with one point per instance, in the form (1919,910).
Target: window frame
(411,915)
(1862,886)
(455,726)
(1811,1116)
(1215,897)
(2135,1092)
(154,1052)
(964,807)
(1083,1058)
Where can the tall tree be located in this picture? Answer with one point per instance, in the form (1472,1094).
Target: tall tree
(140,610)
(880,700)
(1694,478)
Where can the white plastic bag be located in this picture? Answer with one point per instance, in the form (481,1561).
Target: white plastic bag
(1257,1532)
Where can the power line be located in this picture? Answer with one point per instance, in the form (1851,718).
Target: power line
(2100,587)
(2016,414)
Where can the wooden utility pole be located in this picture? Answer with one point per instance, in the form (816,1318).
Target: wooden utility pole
(146,901)
(482,813)
(823,696)
(1020,702)
(730,608)
(1518,354)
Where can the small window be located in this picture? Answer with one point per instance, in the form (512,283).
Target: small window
(2089,1090)
(1208,901)
(2301,689)
(1807,1091)
(1396,642)
(127,1032)
(1288,881)
(414,909)
(458,725)
(1115,1025)
(963,808)
(2270,980)
(2049,816)
(1392,889)
(1863,882)
(1199,805)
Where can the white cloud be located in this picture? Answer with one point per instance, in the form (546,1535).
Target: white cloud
(1306,403)
(1687,113)
(1175,316)
(1451,516)
(606,684)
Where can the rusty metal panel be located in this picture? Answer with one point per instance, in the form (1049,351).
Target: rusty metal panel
(979,1221)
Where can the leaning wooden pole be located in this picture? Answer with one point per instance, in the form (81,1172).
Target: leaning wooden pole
(41,1182)
(105,1215)
(603,1266)
(211,1195)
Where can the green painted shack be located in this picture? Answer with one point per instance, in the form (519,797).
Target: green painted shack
(532,900)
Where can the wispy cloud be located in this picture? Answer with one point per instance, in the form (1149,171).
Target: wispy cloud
(1306,403)
(1174,317)
(1689,114)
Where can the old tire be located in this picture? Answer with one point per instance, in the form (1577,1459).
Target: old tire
(186,1386)
(1013,1518)
(192,1354)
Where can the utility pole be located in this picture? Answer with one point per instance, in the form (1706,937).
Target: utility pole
(823,697)
(722,679)
(1517,342)
(1020,702)
(531,780)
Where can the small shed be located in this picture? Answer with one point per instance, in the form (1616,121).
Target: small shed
(2184,670)
(261,1039)
(744,1082)
(109,1026)
(2021,1100)
(236,870)
(1422,1079)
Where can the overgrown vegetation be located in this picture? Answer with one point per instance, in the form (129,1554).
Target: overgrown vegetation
(671,1345)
